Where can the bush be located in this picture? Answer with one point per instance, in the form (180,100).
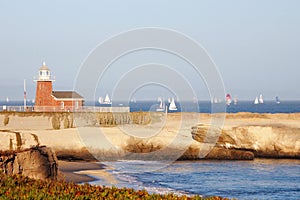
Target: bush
(55,122)
(66,122)
(6,120)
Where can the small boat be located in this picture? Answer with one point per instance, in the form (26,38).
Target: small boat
(235,100)
(216,100)
(228,99)
(133,100)
(277,100)
(169,100)
(7,99)
(107,100)
(100,100)
(195,100)
(172,105)
(161,105)
(256,101)
(261,100)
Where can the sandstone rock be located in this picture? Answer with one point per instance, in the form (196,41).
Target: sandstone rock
(262,141)
(37,162)
(216,153)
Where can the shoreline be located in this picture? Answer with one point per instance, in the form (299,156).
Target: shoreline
(80,172)
(70,169)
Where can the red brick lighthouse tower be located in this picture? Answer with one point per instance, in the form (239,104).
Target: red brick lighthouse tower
(43,98)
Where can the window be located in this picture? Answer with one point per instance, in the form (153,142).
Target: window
(62,105)
(76,104)
(41,73)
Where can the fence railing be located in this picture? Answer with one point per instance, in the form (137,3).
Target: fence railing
(64,109)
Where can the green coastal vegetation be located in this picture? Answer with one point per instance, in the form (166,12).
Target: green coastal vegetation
(20,187)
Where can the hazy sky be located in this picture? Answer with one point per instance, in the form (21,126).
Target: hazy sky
(255,44)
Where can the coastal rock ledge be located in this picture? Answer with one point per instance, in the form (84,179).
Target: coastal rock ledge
(263,141)
(36,162)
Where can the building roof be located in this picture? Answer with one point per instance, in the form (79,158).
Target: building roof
(44,67)
(66,95)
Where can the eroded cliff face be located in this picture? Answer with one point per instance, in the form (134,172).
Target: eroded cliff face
(243,136)
(274,141)
(37,162)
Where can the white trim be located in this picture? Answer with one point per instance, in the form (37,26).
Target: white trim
(67,99)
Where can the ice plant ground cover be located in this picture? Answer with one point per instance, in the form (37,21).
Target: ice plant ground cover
(20,187)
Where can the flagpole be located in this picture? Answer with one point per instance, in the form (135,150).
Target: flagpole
(24,94)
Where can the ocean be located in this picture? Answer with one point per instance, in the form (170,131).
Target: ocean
(258,179)
(201,106)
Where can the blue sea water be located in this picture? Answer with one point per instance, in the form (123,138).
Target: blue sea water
(201,106)
(242,106)
(258,179)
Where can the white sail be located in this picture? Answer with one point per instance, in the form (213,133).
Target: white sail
(172,105)
(100,100)
(277,100)
(256,101)
(161,105)
(261,100)
(7,99)
(107,100)
(235,100)
(133,100)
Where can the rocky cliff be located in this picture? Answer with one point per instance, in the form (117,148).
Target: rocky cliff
(271,141)
(36,162)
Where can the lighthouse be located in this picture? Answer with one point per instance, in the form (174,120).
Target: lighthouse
(43,99)
(47,100)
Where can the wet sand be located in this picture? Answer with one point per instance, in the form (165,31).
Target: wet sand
(72,171)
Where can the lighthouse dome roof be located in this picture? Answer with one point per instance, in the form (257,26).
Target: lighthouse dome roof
(44,67)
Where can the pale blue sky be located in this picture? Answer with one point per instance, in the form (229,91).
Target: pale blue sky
(255,44)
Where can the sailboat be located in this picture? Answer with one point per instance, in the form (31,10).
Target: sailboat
(256,101)
(7,99)
(235,100)
(107,100)
(100,100)
(261,100)
(277,100)
(195,100)
(172,105)
(133,100)
(161,105)
(228,99)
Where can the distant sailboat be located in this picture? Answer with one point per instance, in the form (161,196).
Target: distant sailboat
(172,105)
(195,100)
(235,100)
(256,101)
(107,100)
(228,99)
(216,100)
(7,99)
(161,105)
(133,100)
(169,100)
(277,100)
(261,100)
(100,100)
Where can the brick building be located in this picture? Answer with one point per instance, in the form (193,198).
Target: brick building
(48,100)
